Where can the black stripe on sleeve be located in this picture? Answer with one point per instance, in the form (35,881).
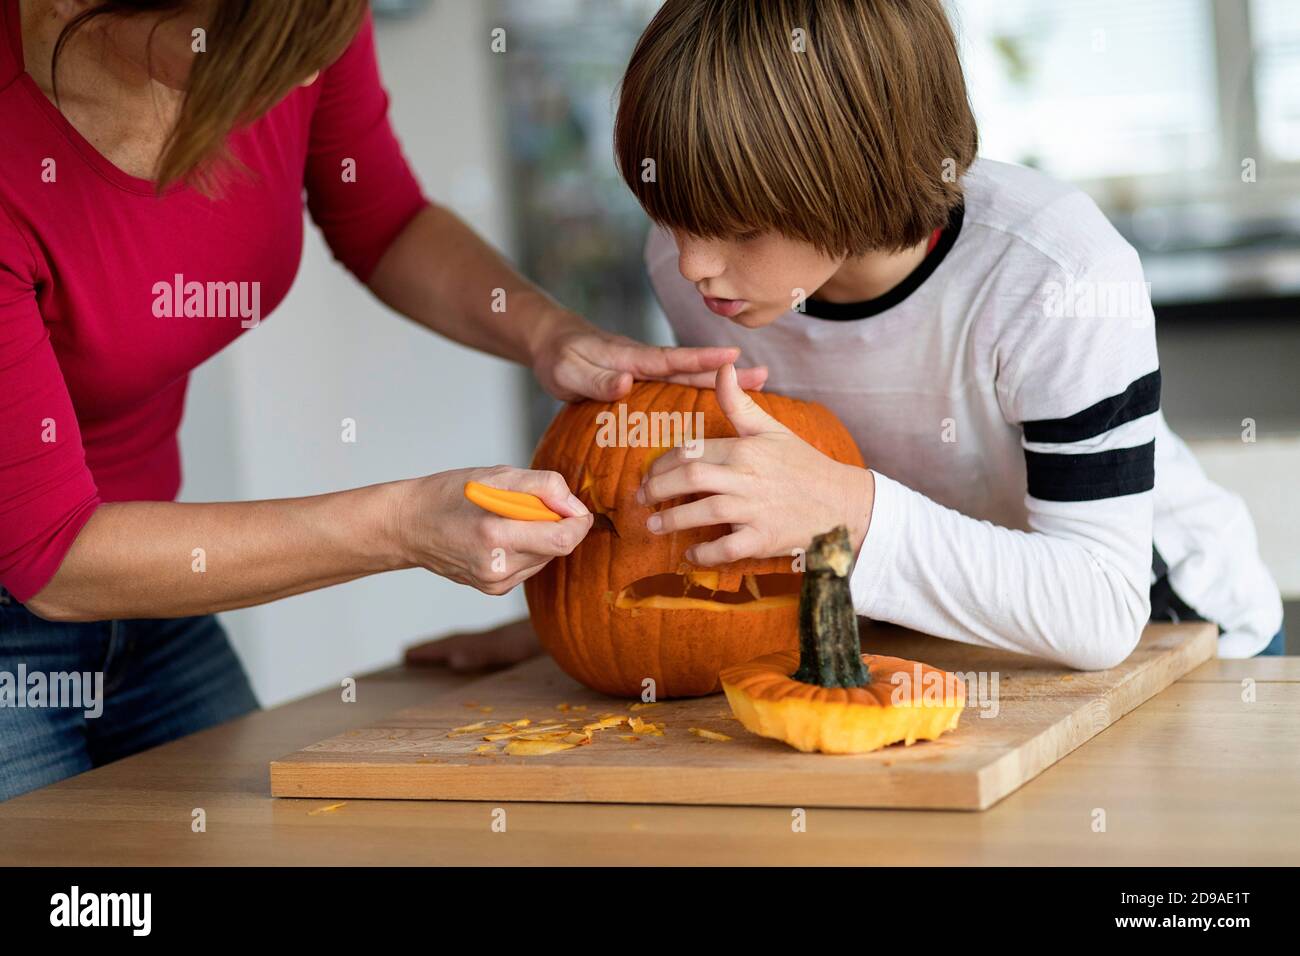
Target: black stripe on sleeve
(1101,474)
(1142,397)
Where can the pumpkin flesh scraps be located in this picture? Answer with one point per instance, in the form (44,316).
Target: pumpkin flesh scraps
(605,722)
(711,591)
(709,734)
(829,696)
(536,748)
(524,732)
(524,739)
(468,728)
(645,728)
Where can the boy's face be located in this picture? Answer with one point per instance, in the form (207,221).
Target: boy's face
(755,279)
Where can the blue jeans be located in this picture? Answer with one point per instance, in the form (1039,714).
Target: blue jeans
(1276,647)
(161,679)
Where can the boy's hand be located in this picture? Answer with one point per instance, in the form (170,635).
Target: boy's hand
(478,650)
(773,488)
(574,359)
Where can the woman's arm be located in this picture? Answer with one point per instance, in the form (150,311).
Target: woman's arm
(439,273)
(166,559)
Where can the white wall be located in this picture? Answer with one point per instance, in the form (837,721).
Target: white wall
(263,418)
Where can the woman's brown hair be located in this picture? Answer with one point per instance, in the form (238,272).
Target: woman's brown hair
(841,123)
(257,52)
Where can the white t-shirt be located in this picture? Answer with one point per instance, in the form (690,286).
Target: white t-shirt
(1007,398)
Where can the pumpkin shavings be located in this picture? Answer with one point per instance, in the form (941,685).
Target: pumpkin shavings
(329,809)
(709,734)
(605,722)
(524,731)
(468,728)
(642,726)
(536,748)
(563,734)
(644,706)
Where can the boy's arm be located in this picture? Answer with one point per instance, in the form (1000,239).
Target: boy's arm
(1075,588)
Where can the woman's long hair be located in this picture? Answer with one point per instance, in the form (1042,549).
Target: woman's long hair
(257,51)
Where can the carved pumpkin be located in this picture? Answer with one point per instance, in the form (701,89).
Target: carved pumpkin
(626,606)
(828,696)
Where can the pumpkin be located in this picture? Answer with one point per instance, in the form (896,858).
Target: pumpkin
(626,606)
(828,696)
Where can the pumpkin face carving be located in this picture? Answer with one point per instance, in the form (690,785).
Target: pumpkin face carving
(626,605)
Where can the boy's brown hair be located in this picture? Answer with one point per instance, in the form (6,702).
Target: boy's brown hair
(841,123)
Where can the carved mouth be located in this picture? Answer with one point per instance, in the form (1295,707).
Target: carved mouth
(712,591)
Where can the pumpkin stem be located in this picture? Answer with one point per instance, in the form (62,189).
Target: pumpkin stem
(829,653)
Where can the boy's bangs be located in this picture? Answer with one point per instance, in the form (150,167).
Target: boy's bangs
(702,156)
(840,123)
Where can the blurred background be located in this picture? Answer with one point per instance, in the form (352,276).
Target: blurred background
(1180,117)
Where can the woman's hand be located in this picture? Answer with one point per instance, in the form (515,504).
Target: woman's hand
(435,527)
(574,359)
(773,488)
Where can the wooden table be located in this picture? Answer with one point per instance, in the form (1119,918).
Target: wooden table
(1194,776)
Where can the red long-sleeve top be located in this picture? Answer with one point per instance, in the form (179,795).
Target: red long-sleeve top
(95,346)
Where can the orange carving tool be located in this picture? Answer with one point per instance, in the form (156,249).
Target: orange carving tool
(509,504)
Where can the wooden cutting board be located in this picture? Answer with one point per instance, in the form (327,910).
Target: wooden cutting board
(1037,713)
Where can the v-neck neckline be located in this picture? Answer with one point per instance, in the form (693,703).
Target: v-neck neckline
(97,160)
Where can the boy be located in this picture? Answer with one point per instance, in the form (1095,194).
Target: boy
(982,331)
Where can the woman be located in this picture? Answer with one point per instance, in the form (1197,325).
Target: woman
(155,157)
